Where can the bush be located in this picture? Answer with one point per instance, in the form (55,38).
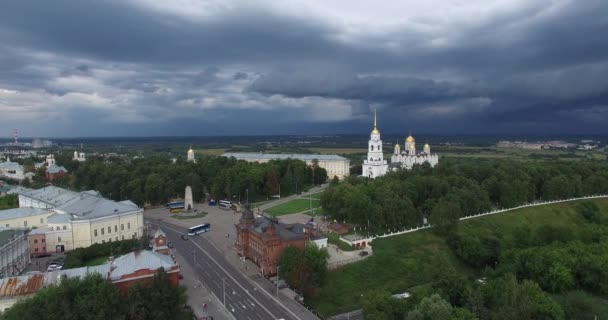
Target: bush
(79,257)
(590,212)
(477,251)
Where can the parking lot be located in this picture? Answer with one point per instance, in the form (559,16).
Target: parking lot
(41,264)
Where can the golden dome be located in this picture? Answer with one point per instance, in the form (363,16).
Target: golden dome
(410,139)
(375,131)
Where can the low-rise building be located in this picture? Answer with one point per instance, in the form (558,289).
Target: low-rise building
(159,242)
(124,271)
(26,218)
(37,242)
(263,240)
(53,172)
(11,170)
(74,219)
(14,252)
(336,166)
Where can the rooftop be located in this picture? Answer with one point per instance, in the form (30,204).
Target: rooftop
(283,156)
(56,169)
(15,213)
(52,195)
(80,205)
(8,234)
(121,266)
(87,206)
(58,218)
(11,166)
(261,224)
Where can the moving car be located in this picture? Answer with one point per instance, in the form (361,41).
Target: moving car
(184,237)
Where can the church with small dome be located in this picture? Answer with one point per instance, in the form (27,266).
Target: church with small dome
(375,166)
(190,155)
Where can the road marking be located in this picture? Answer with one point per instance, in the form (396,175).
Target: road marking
(246,277)
(213,294)
(230,276)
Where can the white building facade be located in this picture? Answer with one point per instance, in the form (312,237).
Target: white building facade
(336,166)
(374,165)
(72,220)
(409,156)
(14,252)
(79,156)
(11,170)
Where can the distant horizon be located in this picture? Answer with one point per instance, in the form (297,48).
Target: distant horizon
(591,135)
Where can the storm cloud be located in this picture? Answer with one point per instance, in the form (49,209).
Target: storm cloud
(143,67)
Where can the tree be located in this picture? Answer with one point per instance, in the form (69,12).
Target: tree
(93,297)
(445,215)
(431,308)
(379,305)
(305,270)
(590,211)
(510,299)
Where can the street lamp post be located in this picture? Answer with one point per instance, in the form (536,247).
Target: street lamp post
(224,286)
(278,278)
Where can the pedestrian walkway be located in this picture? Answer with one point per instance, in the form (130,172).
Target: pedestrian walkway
(200,299)
(286,299)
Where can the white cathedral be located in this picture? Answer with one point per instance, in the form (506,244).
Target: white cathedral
(375,165)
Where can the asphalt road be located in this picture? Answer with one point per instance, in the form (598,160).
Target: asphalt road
(244,300)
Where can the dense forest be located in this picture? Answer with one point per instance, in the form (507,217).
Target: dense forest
(457,188)
(154,180)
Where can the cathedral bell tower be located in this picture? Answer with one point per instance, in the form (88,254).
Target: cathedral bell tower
(375,165)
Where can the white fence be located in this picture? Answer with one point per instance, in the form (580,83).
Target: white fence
(366,241)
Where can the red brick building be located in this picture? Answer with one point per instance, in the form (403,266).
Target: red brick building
(159,242)
(140,267)
(54,171)
(124,271)
(262,240)
(37,240)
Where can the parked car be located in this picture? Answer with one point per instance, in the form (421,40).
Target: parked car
(170,244)
(363,253)
(54,267)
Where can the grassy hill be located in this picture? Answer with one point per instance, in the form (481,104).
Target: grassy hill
(411,262)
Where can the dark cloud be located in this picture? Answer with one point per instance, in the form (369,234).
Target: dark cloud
(541,66)
(240,76)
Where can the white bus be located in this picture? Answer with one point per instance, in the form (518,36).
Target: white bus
(225,204)
(205,227)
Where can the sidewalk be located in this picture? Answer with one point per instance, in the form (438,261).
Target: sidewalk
(199,294)
(287,300)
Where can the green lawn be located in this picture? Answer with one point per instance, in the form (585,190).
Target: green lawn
(293,206)
(412,261)
(316,195)
(261,203)
(179,216)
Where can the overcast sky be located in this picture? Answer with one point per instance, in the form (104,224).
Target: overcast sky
(187,67)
